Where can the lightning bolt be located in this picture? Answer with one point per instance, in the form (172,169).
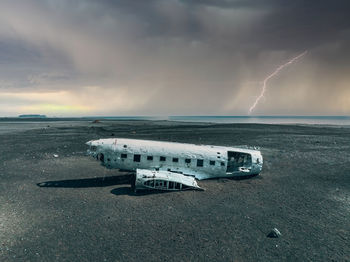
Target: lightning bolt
(272,75)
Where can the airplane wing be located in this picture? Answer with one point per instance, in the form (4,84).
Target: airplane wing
(163,180)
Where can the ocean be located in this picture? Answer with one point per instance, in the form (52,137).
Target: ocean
(311,120)
(15,124)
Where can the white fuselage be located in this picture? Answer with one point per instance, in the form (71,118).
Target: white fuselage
(200,161)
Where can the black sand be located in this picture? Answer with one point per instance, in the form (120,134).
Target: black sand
(87,213)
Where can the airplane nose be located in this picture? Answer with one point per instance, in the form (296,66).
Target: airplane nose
(92,148)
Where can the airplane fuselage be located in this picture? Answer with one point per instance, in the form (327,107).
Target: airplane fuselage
(200,161)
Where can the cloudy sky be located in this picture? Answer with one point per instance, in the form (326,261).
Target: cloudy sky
(173,57)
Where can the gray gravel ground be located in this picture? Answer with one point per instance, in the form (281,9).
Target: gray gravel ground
(88,213)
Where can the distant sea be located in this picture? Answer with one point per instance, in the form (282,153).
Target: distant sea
(311,120)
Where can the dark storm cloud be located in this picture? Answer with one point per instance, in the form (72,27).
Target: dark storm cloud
(17,52)
(289,24)
(305,23)
(210,55)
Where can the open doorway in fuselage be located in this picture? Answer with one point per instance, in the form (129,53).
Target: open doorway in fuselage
(237,160)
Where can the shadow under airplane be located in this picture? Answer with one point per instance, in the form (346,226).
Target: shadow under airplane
(111,181)
(130,192)
(102,182)
(89,182)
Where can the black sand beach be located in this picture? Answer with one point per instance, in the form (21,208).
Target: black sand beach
(56,204)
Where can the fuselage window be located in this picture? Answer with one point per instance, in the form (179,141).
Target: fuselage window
(137,158)
(125,146)
(212,163)
(187,160)
(123,155)
(162,158)
(199,162)
(175,160)
(101,157)
(149,157)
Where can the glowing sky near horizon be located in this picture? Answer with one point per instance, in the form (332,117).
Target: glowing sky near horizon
(174,57)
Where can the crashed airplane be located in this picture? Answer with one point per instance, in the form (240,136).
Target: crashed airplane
(174,166)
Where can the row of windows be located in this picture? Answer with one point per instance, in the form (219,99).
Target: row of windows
(200,162)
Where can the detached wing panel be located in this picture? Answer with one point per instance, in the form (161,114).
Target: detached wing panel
(163,180)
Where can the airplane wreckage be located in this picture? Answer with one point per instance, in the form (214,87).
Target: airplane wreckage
(174,166)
